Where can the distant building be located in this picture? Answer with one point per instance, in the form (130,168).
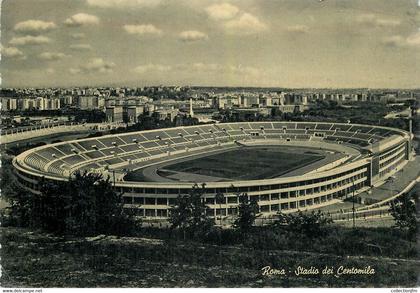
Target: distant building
(292,99)
(266,101)
(191,108)
(132,113)
(90,102)
(53,104)
(163,114)
(66,100)
(109,102)
(41,103)
(249,113)
(26,104)
(251,101)
(8,104)
(114,114)
(227,102)
(292,108)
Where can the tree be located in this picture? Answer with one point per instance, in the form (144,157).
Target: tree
(310,224)
(86,205)
(275,112)
(247,213)
(189,214)
(403,209)
(180,213)
(49,207)
(18,209)
(90,116)
(147,122)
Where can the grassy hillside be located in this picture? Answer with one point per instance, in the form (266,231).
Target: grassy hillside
(34,259)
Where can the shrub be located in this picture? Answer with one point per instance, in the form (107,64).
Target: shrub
(310,224)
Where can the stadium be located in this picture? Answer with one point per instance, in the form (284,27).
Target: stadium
(285,166)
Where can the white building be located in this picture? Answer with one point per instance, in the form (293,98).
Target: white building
(114,114)
(88,102)
(8,104)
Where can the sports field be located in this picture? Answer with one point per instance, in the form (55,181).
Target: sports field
(248,163)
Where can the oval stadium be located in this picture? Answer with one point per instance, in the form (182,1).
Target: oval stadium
(285,166)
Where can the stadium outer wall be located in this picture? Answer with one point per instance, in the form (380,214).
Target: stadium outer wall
(384,152)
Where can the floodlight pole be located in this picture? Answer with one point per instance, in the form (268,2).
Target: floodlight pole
(354,223)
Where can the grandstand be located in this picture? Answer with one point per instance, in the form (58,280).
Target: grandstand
(372,155)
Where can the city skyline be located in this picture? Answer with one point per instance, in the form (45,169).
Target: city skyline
(247,43)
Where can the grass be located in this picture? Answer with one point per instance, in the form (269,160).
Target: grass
(247,163)
(35,259)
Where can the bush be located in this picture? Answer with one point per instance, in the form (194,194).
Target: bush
(189,215)
(310,224)
(247,213)
(403,209)
(86,205)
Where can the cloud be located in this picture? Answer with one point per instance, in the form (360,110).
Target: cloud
(229,73)
(245,70)
(29,40)
(224,11)
(98,65)
(78,36)
(73,70)
(94,65)
(81,19)
(368,19)
(12,52)
(51,56)
(387,22)
(198,67)
(412,40)
(205,66)
(226,69)
(141,69)
(32,26)
(142,29)
(80,47)
(235,21)
(245,24)
(203,73)
(192,36)
(299,29)
(123,3)
(394,41)
(373,20)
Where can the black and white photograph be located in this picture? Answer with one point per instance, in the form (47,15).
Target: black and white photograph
(209,144)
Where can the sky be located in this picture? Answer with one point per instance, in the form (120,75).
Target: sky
(261,43)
